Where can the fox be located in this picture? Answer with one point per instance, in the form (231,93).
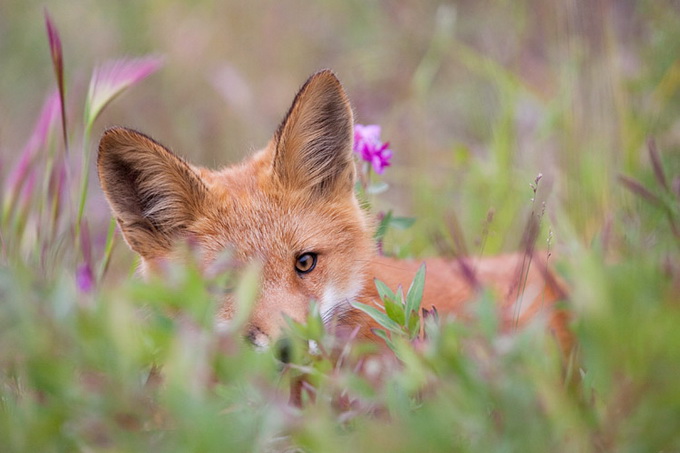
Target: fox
(292,207)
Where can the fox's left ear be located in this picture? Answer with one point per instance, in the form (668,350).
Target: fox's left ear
(313,145)
(154,195)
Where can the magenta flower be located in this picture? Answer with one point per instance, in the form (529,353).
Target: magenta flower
(367,143)
(112,78)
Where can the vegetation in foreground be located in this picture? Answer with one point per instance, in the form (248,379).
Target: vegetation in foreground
(93,361)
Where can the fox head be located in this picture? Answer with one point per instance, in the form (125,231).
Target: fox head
(291,207)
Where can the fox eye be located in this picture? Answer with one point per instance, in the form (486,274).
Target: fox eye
(305,263)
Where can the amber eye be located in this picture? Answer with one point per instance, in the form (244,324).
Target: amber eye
(305,263)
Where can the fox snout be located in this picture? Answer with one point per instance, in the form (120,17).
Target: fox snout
(268,319)
(261,341)
(256,337)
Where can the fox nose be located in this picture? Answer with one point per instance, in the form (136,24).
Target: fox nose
(282,348)
(258,338)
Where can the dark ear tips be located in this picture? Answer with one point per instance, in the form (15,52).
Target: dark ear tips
(322,77)
(314,141)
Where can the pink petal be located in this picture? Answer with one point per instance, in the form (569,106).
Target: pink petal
(366,135)
(369,132)
(113,77)
(38,139)
(367,143)
(377,164)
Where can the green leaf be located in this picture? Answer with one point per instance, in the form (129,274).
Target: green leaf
(414,326)
(382,334)
(394,310)
(315,327)
(380,317)
(383,226)
(384,291)
(377,188)
(296,328)
(400,295)
(402,223)
(415,292)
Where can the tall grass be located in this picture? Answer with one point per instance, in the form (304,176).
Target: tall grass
(92,359)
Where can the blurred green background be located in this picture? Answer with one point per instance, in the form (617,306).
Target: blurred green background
(476,97)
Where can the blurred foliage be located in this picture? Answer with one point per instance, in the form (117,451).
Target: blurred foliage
(476,99)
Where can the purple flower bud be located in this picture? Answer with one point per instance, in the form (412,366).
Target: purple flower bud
(58,63)
(84,278)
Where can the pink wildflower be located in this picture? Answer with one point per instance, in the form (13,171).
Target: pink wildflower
(367,143)
(112,78)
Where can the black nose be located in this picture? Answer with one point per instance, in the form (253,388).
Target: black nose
(251,336)
(284,350)
(257,338)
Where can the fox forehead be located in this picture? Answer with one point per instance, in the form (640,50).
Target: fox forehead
(250,215)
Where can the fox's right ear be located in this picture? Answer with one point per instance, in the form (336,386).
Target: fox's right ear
(313,145)
(153,194)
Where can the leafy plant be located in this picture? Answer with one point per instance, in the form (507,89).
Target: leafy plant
(401,316)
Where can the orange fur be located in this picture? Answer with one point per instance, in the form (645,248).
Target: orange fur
(294,197)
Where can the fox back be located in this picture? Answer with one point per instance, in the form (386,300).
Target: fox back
(292,208)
